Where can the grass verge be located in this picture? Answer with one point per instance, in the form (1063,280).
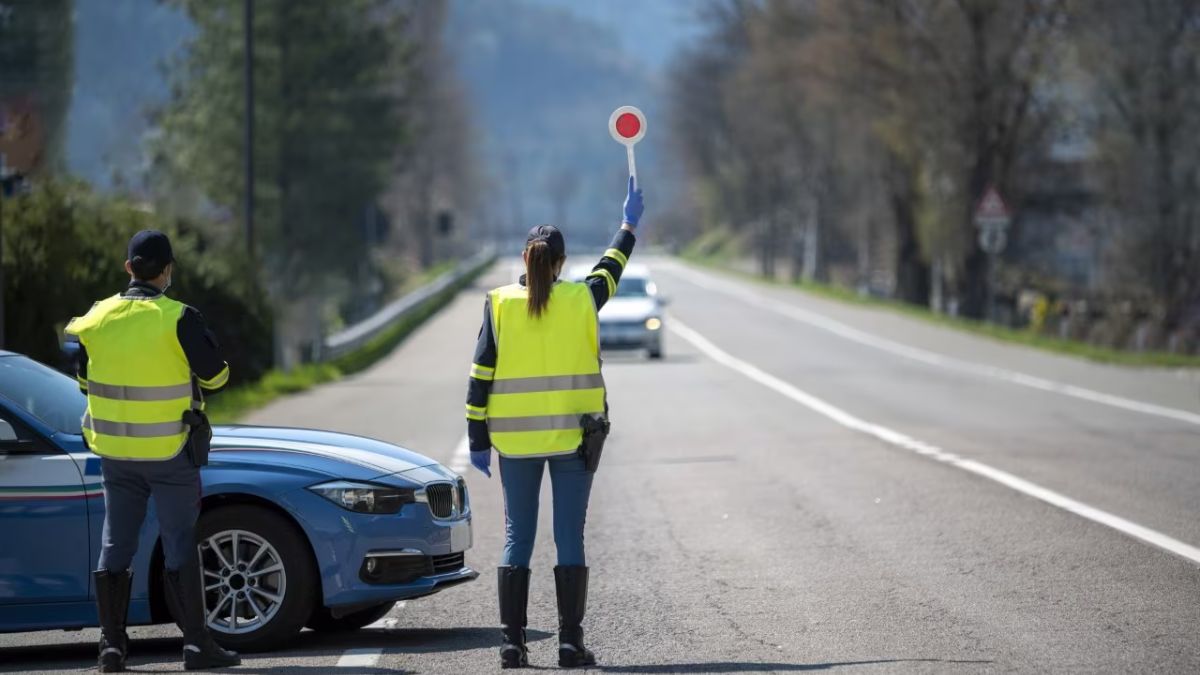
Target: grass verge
(232,404)
(1026,338)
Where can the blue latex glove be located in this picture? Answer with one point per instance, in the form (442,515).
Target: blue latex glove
(482,460)
(633,205)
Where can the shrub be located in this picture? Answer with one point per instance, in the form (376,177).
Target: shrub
(64,248)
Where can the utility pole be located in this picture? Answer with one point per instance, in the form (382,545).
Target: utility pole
(248,36)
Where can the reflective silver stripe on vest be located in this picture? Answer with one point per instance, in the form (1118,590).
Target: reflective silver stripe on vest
(535,423)
(129,393)
(133,429)
(525,385)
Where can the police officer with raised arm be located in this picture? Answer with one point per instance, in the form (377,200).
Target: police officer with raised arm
(144,362)
(536,395)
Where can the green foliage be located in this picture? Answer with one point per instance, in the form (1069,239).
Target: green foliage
(326,120)
(65,249)
(714,245)
(231,404)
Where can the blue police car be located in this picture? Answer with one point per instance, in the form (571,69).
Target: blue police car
(298,527)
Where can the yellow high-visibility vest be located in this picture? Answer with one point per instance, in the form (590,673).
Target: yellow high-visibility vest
(139,382)
(547,371)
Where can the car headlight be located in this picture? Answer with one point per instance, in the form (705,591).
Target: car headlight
(365,497)
(653,323)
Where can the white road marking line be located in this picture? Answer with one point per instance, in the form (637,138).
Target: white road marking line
(932,451)
(462,456)
(387,622)
(363,657)
(925,356)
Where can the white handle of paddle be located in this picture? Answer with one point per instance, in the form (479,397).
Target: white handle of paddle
(632,165)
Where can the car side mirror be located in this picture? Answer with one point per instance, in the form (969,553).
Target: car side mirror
(664,300)
(7,433)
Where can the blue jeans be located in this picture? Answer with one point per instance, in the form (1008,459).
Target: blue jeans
(571,484)
(175,486)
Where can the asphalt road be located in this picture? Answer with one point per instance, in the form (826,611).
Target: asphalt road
(803,485)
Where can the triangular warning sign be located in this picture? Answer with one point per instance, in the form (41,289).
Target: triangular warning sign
(992,206)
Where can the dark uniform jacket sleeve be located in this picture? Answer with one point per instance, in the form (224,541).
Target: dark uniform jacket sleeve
(606,274)
(602,281)
(81,361)
(479,384)
(202,351)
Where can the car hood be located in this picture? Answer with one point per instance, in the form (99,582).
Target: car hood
(628,309)
(332,453)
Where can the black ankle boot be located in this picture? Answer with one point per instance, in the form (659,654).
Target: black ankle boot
(571,585)
(112,607)
(185,596)
(513,585)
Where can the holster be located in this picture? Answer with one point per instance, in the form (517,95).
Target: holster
(595,432)
(199,436)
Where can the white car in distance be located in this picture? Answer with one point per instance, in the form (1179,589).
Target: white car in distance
(633,318)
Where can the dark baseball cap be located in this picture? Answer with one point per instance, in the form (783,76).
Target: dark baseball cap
(550,235)
(152,246)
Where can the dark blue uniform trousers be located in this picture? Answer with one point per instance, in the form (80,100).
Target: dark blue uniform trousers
(571,485)
(128,485)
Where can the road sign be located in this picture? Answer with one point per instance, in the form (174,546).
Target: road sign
(627,125)
(993,239)
(992,212)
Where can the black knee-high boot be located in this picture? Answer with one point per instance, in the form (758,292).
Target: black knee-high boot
(185,598)
(571,585)
(513,585)
(112,607)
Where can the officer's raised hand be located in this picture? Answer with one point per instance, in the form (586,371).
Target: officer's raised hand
(633,205)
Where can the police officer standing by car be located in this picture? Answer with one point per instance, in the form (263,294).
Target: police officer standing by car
(143,362)
(537,396)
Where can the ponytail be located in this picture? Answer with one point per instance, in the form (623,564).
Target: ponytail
(539,275)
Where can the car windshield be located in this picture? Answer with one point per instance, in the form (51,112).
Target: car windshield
(632,287)
(45,393)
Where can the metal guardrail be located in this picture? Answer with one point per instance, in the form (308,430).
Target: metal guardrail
(349,339)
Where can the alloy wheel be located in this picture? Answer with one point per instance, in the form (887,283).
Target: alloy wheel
(244,581)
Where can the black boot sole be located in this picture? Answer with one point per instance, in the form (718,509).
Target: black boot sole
(514,658)
(574,658)
(111,665)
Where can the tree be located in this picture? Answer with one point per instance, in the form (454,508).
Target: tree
(36,57)
(328,128)
(960,107)
(436,172)
(1144,60)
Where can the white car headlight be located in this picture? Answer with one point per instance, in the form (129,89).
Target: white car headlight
(653,323)
(365,497)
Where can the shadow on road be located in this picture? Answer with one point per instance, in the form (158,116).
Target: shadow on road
(741,667)
(151,652)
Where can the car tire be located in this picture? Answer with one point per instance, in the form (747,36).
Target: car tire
(293,585)
(656,353)
(322,619)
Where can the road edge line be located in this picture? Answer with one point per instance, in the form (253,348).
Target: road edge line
(901,440)
(360,657)
(926,356)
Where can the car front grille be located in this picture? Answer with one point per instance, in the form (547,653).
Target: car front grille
(448,563)
(441,499)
